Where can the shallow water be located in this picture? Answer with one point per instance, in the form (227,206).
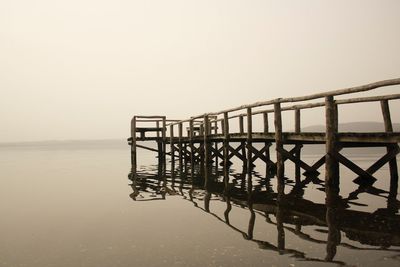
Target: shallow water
(71,204)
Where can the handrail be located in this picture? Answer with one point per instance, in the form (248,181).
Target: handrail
(321,104)
(350,90)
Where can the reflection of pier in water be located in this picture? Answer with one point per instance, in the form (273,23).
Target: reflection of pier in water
(287,211)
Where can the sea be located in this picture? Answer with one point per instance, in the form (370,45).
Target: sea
(80,203)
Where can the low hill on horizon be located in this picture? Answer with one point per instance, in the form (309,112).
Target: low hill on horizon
(362,126)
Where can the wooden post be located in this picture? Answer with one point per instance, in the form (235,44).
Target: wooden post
(225,131)
(297,120)
(331,163)
(158,126)
(243,144)
(297,154)
(171,142)
(266,124)
(206,150)
(249,139)
(185,152)
(160,153)
(226,140)
(164,139)
(216,143)
(241,128)
(394,176)
(191,147)
(336,117)
(180,133)
(267,144)
(133,144)
(279,144)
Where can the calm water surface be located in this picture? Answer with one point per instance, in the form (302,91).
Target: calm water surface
(72,204)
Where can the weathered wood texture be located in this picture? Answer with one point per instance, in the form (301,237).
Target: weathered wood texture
(202,132)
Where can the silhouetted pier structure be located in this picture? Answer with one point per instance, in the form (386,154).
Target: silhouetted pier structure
(219,136)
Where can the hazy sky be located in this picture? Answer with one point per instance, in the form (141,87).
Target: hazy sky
(80,69)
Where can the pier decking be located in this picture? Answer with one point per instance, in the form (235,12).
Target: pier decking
(219,136)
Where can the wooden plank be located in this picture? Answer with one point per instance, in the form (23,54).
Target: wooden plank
(354,167)
(259,154)
(150,149)
(150,117)
(149,129)
(296,160)
(383,160)
(235,152)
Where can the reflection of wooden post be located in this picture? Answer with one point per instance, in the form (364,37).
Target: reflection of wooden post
(207,199)
(297,154)
(332,221)
(331,163)
(133,144)
(252,220)
(279,144)
(394,176)
(279,224)
(228,207)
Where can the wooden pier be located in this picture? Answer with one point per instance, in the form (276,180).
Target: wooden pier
(217,137)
